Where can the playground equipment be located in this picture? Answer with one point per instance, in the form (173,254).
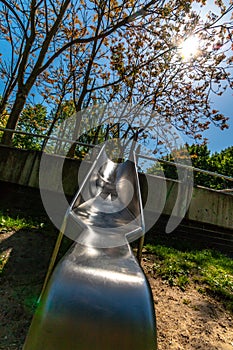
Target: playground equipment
(98,297)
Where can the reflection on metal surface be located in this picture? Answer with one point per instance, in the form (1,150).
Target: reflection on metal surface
(97,296)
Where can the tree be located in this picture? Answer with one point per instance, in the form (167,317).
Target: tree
(201,158)
(113,51)
(3,119)
(222,163)
(218,162)
(37,35)
(30,38)
(33,120)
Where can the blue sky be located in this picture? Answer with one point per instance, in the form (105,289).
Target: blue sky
(218,139)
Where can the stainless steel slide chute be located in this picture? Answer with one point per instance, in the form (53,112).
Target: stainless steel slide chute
(98,297)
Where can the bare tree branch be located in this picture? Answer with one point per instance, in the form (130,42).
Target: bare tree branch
(6,3)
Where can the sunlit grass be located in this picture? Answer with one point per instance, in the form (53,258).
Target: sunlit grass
(209,270)
(8,222)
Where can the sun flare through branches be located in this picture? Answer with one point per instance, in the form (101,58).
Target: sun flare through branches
(189,47)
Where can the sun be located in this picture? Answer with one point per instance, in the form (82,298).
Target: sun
(189,47)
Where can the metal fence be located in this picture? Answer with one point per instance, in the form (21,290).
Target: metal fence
(45,137)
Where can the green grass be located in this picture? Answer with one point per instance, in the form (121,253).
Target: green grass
(8,222)
(210,270)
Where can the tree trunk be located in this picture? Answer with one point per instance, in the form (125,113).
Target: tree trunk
(3,105)
(13,118)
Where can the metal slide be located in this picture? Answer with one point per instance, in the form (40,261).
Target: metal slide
(97,297)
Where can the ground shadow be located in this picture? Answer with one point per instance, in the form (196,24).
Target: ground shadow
(21,281)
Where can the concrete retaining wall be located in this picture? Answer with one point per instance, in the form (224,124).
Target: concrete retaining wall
(207,206)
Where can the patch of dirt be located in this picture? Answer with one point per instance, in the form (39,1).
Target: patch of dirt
(185,320)
(188,320)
